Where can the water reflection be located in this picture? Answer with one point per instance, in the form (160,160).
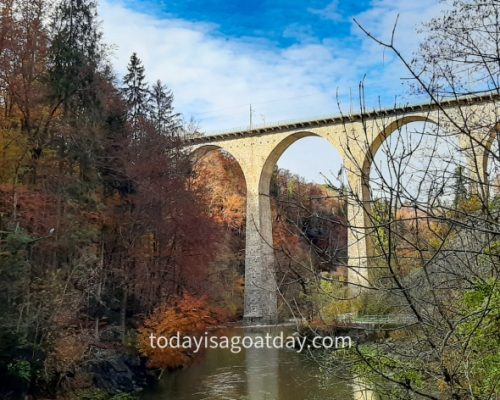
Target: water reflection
(262,371)
(255,374)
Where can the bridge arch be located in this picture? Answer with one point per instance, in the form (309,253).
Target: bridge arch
(257,150)
(277,152)
(218,174)
(197,153)
(383,135)
(237,167)
(364,184)
(266,172)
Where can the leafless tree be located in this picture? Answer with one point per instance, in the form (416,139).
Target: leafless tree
(433,219)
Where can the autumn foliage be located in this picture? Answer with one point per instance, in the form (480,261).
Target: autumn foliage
(103,220)
(304,214)
(188,316)
(99,224)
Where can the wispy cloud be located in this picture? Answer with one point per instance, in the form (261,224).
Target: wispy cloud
(330,12)
(216,77)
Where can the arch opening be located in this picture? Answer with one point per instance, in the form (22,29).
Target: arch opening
(385,134)
(416,164)
(284,146)
(308,212)
(220,182)
(418,174)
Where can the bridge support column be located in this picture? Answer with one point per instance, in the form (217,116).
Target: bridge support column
(359,245)
(475,164)
(260,281)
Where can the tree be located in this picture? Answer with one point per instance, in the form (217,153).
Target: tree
(98,226)
(435,270)
(459,55)
(136,91)
(75,54)
(75,80)
(23,57)
(188,316)
(162,114)
(437,263)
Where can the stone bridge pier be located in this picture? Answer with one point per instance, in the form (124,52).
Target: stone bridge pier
(260,282)
(356,139)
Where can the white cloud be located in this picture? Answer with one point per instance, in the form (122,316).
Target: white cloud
(329,12)
(381,17)
(214,79)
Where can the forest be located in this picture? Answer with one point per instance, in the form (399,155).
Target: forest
(100,231)
(109,231)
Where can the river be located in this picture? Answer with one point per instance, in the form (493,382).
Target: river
(255,374)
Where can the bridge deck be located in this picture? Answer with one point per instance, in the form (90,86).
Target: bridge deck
(343,119)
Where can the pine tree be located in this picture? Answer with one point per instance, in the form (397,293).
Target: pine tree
(75,55)
(75,79)
(136,91)
(162,111)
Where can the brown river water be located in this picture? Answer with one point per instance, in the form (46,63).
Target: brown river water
(255,374)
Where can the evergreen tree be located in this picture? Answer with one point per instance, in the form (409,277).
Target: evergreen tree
(162,111)
(136,91)
(76,62)
(75,54)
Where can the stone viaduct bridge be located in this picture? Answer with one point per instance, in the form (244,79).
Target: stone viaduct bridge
(356,138)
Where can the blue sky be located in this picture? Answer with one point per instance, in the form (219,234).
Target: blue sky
(288,59)
(282,23)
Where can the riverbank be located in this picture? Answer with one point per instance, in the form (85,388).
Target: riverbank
(118,372)
(252,373)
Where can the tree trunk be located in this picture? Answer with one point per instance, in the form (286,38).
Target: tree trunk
(123,313)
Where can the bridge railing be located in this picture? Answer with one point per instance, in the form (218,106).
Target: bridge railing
(388,319)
